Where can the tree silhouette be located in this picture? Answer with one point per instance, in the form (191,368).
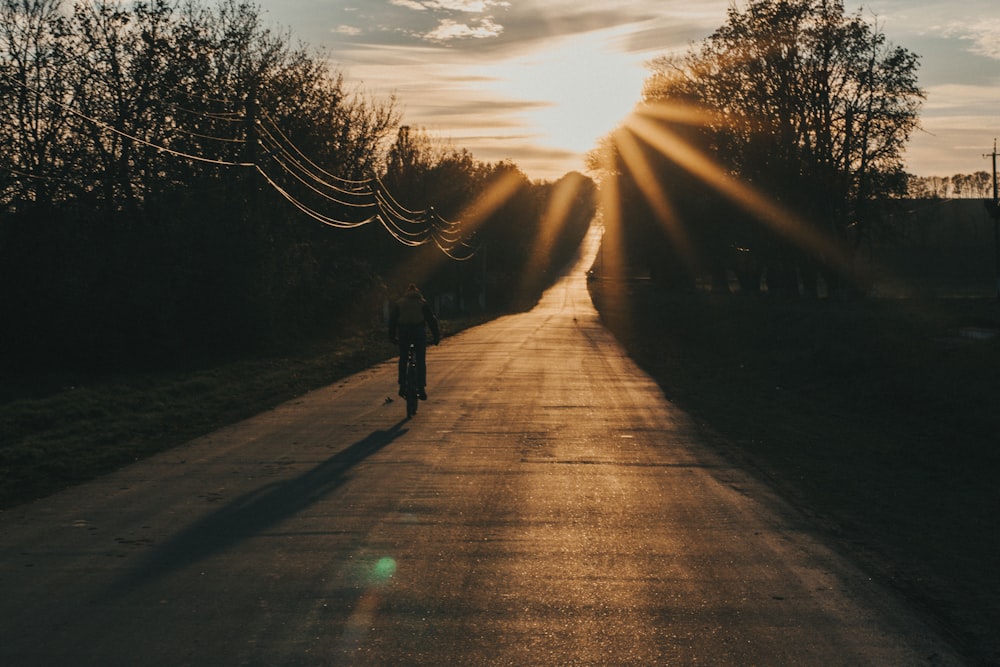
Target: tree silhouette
(803,103)
(165,167)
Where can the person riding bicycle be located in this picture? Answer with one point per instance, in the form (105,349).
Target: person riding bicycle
(407,320)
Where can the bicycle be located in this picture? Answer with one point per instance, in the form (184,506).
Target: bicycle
(410,387)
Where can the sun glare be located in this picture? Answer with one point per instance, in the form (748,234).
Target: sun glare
(553,220)
(496,194)
(611,260)
(647,181)
(763,208)
(576,90)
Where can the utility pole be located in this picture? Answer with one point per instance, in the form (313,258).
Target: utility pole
(251,142)
(993,207)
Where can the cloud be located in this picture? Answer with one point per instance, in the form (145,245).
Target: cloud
(971,24)
(346,30)
(466,6)
(502,112)
(448,30)
(409,4)
(453,20)
(984,35)
(661,37)
(470,6)
(484,31)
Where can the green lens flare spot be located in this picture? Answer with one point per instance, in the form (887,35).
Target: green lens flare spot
(383,570)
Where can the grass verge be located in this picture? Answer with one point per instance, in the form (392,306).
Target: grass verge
(877,419)
(64,431)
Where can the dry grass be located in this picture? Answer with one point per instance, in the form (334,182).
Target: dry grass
(57,432)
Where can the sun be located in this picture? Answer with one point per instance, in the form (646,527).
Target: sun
(575,90)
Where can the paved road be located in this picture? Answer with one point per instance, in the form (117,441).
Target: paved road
(546,507)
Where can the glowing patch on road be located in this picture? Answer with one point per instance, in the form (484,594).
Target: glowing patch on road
(383,570)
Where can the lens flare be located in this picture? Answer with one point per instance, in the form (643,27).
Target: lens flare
(383,571)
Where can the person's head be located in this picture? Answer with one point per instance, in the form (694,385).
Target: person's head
(412,292)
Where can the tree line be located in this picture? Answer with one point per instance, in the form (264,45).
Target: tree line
(159,161)
(764,151)
(977,185)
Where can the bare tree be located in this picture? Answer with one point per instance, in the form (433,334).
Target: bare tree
(34,59)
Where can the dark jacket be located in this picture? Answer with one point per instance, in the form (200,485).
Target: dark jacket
(409,315)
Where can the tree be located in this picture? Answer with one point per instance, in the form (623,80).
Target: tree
(128,213)
(34,56)
(978,185)
(166,164)
(811,107)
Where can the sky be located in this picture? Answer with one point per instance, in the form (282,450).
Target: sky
(538,82)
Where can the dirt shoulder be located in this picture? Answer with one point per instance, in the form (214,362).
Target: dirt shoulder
(876,419)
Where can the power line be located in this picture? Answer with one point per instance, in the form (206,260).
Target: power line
(275,148)
(105,126)
(316,215)
(408,227)
(359,184)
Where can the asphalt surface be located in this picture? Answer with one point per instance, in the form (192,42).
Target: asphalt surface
(547,506)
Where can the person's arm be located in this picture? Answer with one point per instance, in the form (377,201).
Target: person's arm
(432,322)
(393,322)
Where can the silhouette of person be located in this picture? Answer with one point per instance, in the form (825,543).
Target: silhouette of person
(408,321)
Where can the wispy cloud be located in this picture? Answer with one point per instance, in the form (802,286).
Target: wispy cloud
(469,6)
(455,19)
(409,4)
(969,98)
(448,30)
(984,36)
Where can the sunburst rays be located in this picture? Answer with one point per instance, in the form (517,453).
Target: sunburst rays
(502,188)
(557,213)
(649,128)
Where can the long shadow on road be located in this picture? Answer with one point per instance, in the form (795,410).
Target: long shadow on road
(254,512)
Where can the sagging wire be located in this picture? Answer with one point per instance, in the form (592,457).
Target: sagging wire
(449,245)
(399,221)
(362,190)
(407,227)
(277,155)
(105,126)
(372,199)
(359,184)
(315,215)
(36,177)
(419,214)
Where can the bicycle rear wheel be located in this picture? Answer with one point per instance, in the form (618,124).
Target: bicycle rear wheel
(411,386)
